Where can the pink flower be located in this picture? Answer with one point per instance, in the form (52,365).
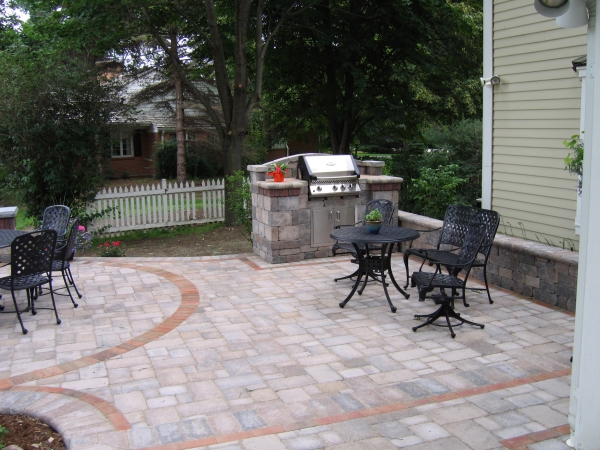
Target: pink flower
(100,246)
(117,243)
(81,228)
(106,244)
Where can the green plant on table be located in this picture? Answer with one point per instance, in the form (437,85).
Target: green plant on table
(112,249)
(574,160)
(374,216)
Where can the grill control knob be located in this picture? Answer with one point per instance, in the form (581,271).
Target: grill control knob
(319,188)
(342,187)
(335,188)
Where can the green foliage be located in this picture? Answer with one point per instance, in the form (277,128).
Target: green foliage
(199,163)
(3,433)
(574,160)
(374,216)
(54,125)
(240,201)
(339,68)
(435,189)
(458,145)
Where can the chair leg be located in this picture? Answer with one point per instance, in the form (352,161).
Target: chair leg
(430,317)
(64,275)
(464,298)
(18,313)
(72,280)
(487,288)
(452,333)
(406,267)
(53,302)
(387,295)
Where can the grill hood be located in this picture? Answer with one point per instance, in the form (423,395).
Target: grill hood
(329,175)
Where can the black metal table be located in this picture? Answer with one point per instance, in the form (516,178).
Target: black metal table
(7,236)
(377,264)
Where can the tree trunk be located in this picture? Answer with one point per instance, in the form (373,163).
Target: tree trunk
(179,128)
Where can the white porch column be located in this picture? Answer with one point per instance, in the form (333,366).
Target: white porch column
(584,408)
(488,104)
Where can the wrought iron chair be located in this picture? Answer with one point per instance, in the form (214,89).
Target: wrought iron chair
(30,268)
(449,258)
(56,218)
(456,223)
(426,282)
(386,207)
(61,262)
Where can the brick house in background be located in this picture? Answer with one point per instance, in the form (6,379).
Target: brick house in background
(153,122)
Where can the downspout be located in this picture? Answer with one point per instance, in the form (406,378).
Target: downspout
(488,104)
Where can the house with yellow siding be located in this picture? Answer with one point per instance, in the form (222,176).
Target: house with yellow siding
(527,116)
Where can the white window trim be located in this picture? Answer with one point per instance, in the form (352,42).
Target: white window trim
(121,136)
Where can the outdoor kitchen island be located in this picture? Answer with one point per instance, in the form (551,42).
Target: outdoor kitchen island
(289,225)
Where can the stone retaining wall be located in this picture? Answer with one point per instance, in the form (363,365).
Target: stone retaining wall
(536,270)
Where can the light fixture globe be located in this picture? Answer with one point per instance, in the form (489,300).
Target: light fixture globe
(553,3)
(558,8)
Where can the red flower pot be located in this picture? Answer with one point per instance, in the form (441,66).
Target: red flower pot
(278,177)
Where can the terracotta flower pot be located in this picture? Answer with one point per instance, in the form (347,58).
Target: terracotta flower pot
(278,177)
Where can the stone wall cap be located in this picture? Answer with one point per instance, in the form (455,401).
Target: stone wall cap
(288,183)
(370,163)
(379,179)
(286,159)
(8,212)
(502,241)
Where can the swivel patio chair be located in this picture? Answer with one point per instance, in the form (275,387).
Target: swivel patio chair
(427,282)
(31,268)
(61,262)
(386,207)
(449,258)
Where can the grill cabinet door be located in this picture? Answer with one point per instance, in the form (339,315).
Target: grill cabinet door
(323,221)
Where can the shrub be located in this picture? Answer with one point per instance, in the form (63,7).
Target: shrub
(240,201)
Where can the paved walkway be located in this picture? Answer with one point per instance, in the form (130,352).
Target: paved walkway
(233,353)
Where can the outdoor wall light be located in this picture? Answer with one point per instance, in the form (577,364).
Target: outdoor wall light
(495,80)
(568,13)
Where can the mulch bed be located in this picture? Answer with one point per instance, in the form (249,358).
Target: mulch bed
(29,433)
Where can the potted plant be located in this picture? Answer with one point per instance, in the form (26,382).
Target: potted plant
(278,171)
(373,221)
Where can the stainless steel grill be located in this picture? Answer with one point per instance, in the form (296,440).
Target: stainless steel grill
(329,175)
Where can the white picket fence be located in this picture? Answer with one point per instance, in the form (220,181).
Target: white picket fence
(160,205)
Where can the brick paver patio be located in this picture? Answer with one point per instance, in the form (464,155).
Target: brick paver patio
(233,353)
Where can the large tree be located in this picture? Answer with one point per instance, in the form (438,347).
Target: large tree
(226,46)
(353,62)
(54,125)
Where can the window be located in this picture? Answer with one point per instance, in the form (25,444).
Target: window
(122,144)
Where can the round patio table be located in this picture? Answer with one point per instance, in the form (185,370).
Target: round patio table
(374,265)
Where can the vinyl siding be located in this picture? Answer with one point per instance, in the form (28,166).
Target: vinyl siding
(536,107)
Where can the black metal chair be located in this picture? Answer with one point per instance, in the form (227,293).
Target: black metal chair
(386,208)
(457,220)
(56,218)
(61,262)
(449,258)
(427,282)
(31,268)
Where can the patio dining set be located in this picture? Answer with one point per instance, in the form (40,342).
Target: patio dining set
(465,241)
(35,255)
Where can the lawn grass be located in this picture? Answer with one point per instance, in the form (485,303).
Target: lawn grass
(159,233)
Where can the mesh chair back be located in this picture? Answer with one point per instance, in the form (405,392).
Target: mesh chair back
(472,243)
(32,253)
(67,250)
(457,220)
(491,219)
(56,218)
(385,207)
